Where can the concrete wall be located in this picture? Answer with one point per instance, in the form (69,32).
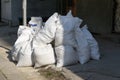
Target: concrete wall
(98,14)
(42,8)
(11,10)
(117,16)
(16,11)
(6,10)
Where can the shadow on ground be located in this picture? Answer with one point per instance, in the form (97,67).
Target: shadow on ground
(8,36)
(107,68)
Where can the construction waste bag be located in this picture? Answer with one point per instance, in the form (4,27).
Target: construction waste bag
(94,48)
(43,55)
(65,42)
(83,49)
(66,55)
(42,50)
(65,30)
(47,34)
(22,48)
(72,44)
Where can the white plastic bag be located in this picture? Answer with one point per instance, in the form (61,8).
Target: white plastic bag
(15,51)
(64,37)
(25,55)
(24,34)
(22,51)
(66,55)
(65,30)
(83,48)
(43,55)
(47,34)
(20,29)
(94,49)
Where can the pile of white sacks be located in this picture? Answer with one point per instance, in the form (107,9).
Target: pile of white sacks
(71,43)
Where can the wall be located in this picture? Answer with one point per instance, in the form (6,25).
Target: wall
(16,11)
(117,16)
(98,14)
(44,8)
(6,10)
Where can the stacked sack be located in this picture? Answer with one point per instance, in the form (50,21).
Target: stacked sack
(22,49)
(42,49)
(93,45)
(71,43)
(65,43)
(87,46)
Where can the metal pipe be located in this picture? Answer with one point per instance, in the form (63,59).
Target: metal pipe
(24,12)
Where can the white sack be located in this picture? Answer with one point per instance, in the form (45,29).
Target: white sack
(83,48)
(65,30)
(66,55)
(22,47)
(17,44)
(43,55)
(25,55)
(24,34)
(47,34)
(15,51)
(95,54)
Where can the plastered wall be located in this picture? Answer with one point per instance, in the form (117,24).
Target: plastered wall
(98,14)
(6,10)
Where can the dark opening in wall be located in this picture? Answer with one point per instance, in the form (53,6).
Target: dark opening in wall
(0,10)
(114,13)
(116,16)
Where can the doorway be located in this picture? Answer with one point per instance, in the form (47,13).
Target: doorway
(66,5)
(71,5)
(116,26)
(97,14)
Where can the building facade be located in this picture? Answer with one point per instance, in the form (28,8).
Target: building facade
(98,14)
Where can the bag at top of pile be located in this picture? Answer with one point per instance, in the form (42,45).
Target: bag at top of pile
(65,42)
(22,49)
(42,50)
(47,33)
(65,34)
(36,23)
